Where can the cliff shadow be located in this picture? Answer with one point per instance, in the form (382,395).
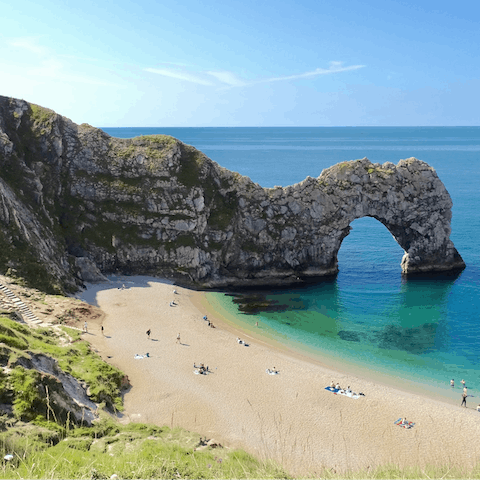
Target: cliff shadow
(119,282)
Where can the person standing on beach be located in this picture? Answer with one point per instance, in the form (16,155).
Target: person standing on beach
(148,333)
(463,383)
(452,383)
(102,330)
(85,329)
(464,399)
(178,338)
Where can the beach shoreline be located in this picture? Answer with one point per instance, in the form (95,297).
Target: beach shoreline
(290,417)
(443,393)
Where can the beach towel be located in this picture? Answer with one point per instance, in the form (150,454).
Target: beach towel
(332,389)
(137,356)
(404,425)
(271,372)
(336,391)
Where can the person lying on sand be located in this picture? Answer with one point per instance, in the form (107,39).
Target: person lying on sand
(202,369)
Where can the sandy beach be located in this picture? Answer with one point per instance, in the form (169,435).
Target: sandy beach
(288,417)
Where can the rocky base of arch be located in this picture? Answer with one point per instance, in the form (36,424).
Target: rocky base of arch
(414,266)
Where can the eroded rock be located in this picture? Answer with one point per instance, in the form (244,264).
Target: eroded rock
(73,197)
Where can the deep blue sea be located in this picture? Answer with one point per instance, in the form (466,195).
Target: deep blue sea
(422,332)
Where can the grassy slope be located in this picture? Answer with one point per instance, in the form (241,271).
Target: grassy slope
(74,356)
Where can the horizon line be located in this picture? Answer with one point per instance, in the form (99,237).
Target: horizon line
(310,126)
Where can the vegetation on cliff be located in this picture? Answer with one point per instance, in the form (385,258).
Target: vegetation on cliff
(27,389)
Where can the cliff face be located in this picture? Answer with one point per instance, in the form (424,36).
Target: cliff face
(72,199)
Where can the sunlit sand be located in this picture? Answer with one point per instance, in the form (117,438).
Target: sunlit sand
(289,417)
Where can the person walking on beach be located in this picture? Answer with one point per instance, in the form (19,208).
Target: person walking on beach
(85,329)
(102,330)
(148,333)
(178,338)
(464,400)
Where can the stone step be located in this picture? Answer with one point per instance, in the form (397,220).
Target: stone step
(21,306)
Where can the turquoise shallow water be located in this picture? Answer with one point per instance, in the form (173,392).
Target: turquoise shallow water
(421,330)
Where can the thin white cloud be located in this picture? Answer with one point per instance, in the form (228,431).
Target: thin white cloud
(335,67)
(28,43)
(181,76)
(227,79)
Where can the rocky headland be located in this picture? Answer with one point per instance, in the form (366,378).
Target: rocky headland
(76,203)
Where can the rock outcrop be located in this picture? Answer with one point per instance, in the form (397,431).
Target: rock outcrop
(67,396)
(72,198)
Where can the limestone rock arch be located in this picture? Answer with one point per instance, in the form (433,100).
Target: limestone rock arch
(75,201)
(412,203)
(304,240)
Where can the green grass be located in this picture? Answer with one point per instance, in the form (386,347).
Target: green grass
(163,140)
(130,451)
(41,114)
(76,359)
(148,451)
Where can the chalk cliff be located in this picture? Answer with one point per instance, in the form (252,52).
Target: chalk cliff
(75,202)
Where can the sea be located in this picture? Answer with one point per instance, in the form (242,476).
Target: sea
(415,333)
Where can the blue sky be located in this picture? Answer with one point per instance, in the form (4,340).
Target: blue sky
(245,63)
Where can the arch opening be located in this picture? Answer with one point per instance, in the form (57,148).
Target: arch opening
(370,247)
